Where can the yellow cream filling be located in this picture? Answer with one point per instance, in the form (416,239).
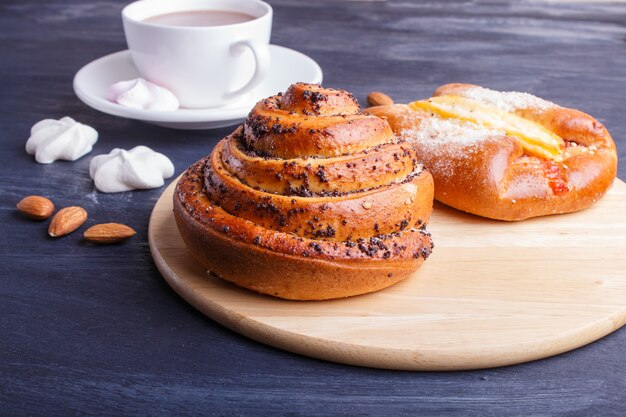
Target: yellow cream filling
(534,138)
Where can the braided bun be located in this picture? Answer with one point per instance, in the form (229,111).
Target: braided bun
(310,199)
(493,173)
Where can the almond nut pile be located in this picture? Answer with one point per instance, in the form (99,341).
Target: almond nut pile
(69,219)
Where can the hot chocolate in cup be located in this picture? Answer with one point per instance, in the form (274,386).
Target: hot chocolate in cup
(207,52)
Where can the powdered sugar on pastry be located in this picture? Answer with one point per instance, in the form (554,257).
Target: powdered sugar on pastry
(448,141)
(440,130)
(506,100)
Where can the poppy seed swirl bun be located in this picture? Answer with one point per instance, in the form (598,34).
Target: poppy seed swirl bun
(310,199)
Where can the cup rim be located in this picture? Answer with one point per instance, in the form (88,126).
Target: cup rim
(125,15)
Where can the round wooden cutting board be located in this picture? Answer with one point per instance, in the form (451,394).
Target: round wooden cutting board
(492,294)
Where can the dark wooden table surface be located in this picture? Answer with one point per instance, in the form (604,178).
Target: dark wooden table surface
(88,330)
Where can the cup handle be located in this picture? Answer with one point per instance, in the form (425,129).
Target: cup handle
(262,59)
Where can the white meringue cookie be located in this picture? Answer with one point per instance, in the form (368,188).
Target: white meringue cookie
(60,139)
(142,94)
(121,170)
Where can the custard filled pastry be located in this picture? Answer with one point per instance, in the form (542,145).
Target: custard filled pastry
(506,155)
(310,199)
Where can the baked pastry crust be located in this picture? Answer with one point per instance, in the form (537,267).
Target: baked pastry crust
(292,204)
(492,176)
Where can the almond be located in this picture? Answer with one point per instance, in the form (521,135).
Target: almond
(66,221)
(376,98)
(36,207)
(106,233)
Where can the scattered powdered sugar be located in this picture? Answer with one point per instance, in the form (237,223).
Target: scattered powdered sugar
(506,100)
(445,162)
(446,145)
(92,196)
(437,130)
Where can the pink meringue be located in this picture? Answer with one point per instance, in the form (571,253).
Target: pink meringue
(142,94)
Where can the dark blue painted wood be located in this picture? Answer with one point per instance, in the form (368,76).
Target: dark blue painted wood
(88,330)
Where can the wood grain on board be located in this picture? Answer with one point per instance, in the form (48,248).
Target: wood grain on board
(492,293)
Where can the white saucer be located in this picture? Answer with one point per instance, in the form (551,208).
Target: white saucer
(93,80)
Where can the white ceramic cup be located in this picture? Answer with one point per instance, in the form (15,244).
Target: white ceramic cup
(207,66)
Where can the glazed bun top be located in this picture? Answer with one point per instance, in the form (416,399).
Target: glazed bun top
(311,121)
(308,162)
